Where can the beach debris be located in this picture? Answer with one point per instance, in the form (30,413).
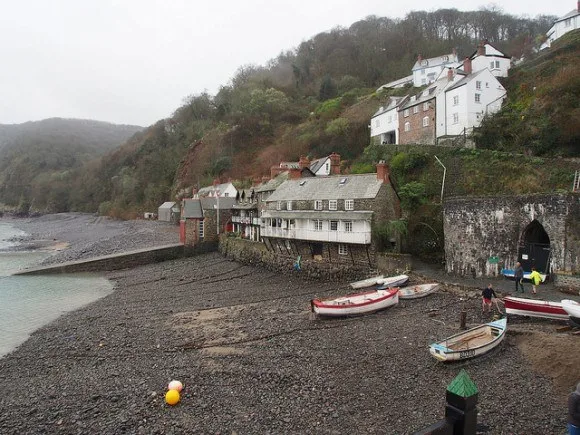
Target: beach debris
(172,397)
(175,385)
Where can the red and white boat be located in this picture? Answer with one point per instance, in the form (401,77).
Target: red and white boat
(573,309)
(534,308)
(417,291)
(355,304)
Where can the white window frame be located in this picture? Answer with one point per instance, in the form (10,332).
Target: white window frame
(278,205)
(200,229)
(349,204)
(425,106)
(455,100)
(456,118)
(347,226)
(317,204)
(406,113)
(478,85)
(426,121)
(289,205)
(407,126)
(317,224)
(333,225)
(415,109)
(342,249)
(332,204)
(478,98)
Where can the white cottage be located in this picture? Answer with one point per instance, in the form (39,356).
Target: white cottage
(385,122)
(563,25)
(488,57)
(426,71)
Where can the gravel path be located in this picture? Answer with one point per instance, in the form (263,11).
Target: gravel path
(253,360)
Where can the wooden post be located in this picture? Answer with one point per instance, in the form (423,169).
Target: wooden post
(463,319)
(461,405)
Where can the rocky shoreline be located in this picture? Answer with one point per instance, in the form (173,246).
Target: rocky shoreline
(253,360)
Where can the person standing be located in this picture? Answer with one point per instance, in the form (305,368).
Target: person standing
(486,298)
(519,276)
(574,412)
(536,279)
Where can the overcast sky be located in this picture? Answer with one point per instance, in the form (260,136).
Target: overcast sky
(134,61)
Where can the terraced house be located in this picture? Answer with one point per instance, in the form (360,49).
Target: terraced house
(329,218)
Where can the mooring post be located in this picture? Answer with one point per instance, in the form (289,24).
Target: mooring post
(463,320)
(461,405)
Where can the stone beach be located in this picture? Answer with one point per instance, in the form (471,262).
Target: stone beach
(252,358)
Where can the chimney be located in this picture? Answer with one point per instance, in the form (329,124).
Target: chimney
(265,179)
(275,170)
(304,162)
(334,164)
(383,172)
(454,52)
(294,173)
(257,180)
(467,66)
(450,74)
(481,49)
(216,182)
(193,192)
(419,58)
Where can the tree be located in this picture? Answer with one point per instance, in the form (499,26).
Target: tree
(327,89)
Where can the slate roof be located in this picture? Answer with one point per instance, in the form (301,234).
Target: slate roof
(208,190)
(192,209)
(435,61)
(428,94)
(273,183)
(315,165)
(358,186)
(464,80)
(168,204)
(570,14)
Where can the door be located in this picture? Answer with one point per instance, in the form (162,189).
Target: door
(534,250)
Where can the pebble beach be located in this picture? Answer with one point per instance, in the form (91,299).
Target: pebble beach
(253,359)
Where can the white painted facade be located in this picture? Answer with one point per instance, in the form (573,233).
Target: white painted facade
(465,101)
(324,168)
(224,190)
(385,122)
(492,59)
(563,25)
(426,71)
(349,231)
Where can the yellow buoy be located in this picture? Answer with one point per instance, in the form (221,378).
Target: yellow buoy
(172,397)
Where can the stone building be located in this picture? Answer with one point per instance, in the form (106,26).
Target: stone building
(484,235)
(329,218)
(203,219)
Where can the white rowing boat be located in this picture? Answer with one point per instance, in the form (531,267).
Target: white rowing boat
(417,291)
(392,281)
(572,308)
(355,304)
(470,343)
(369,282)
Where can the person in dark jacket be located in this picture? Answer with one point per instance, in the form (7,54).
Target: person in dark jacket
(486,299)
(519,276)
(574,412)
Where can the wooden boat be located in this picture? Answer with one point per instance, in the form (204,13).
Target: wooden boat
(354,304)
(572,308)
(534,308)
(510,274)
(392,281)
(471,343)
(417,291)
(369,282)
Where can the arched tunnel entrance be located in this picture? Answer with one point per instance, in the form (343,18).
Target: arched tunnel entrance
(534,249)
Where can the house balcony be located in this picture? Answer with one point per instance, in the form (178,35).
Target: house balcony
(246,220)
(354,237)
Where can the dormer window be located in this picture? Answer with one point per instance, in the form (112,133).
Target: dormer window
(279,205)
(445,58)
(349,204)
(318,204)
(332,204)
(289,205)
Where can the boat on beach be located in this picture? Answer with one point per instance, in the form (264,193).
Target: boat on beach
(369,282)
(572,308)
(534,308)
(355,304)
(392,281)
(417,291)
(510,274)
(470,343)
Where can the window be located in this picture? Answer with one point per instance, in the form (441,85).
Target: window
(226,195)
(349,204)
(487,84)
(279,205)
(332,204)
(377,122)
(425,106)
(456,118)
(456,100)
(478,98)
(317,225)
(478,85)
(407,126)
(568,22)
(342,249)
(327,166)
(348,226)
(415,109)
(333,225)
(200,229)
(426,121)
(318,204)
(406,113)
(289,205)
(494,64)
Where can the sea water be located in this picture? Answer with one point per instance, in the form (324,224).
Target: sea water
(29,302)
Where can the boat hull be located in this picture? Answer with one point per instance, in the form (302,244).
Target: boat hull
(452,349)
(534,308)
(572,308)
(356,304)
(369,282)
(391,282)
(510,274)
(418,291)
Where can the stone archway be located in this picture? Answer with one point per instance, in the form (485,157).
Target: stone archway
(534,250)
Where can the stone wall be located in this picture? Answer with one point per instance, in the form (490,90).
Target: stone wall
(258,254)
(479,229)
(417,133)
(569,282)
(395,264)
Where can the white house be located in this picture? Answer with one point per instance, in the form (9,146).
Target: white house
(385,122)
(223,190)
(399,83)
(487,56)
(563,25)
(466,99)
(426,71)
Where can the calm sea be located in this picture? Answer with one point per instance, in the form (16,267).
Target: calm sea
(29,302)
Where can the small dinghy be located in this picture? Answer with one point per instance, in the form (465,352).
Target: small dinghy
(417,291)
(369,282)
(471,343)
(572,308)
(392,281)
(534,308)
(510,274)
(354,304)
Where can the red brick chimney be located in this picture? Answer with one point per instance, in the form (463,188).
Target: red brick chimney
(304,162)
(334,164)
(382,172)
(275,170)
(450,74)
(419,58)
(265,179)
(294,173)
(467,66)
(481,49)
(216,182)
(257,180)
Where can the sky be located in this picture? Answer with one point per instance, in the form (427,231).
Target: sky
(134,61)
